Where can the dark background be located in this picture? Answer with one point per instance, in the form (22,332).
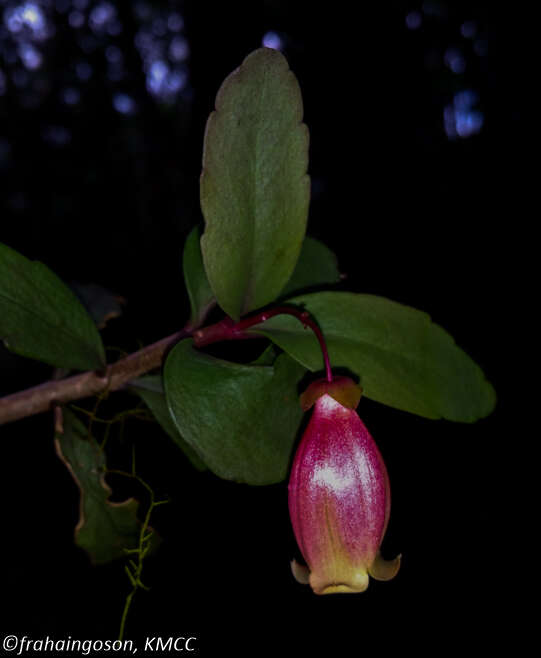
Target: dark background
(99,167)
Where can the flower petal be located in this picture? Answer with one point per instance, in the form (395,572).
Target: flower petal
(384,569)
(300,572)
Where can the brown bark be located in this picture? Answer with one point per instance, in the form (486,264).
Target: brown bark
(43,397)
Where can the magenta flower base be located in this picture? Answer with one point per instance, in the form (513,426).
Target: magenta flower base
(339,495)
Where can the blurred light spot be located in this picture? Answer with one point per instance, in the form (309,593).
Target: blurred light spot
(71,96)
(469,123)
(414,20)
(83,70)
(163,54)
(113,55)
(175,22)
(80,4)
(164,83)
(176,81)
(480,47)
(178,49)
(461,119)
(27,15)
(27,19)
(468,29)
(124,104)
(454,60)
(156,76)
(101,15)
(272,40)
(56,135)
(76,19)
(32,16)
(30,56)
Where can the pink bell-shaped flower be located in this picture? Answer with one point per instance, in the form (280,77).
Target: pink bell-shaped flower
(339,495)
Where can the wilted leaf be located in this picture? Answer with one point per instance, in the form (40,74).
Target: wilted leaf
(41,318)
(403,359)
(254,187)
(102,304)
(104,529)
(242,419)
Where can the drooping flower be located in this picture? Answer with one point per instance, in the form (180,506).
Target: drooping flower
(339,494)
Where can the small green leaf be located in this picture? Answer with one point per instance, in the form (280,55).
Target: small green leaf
(41,318)
(150,390)
(254,187)
(199,291)
(242,419)
(403,359)
(105,530)
(317,266)
(267,357)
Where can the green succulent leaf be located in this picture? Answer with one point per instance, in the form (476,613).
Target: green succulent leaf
(201,296)
(105,530)
(150,390)
(317,266)
(267,357)
(254,187)
(200,293)
(403,359)
(242,419)
(41,318)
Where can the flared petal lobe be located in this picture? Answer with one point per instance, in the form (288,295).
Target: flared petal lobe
(339,499)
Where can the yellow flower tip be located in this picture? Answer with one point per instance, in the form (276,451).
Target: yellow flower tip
(358,582)
(385,569)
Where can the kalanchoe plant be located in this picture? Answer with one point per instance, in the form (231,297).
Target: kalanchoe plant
(241,420)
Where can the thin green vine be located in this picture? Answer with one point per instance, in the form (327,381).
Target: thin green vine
(134,568)
(140,412)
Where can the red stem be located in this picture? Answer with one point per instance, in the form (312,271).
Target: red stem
(228,330)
